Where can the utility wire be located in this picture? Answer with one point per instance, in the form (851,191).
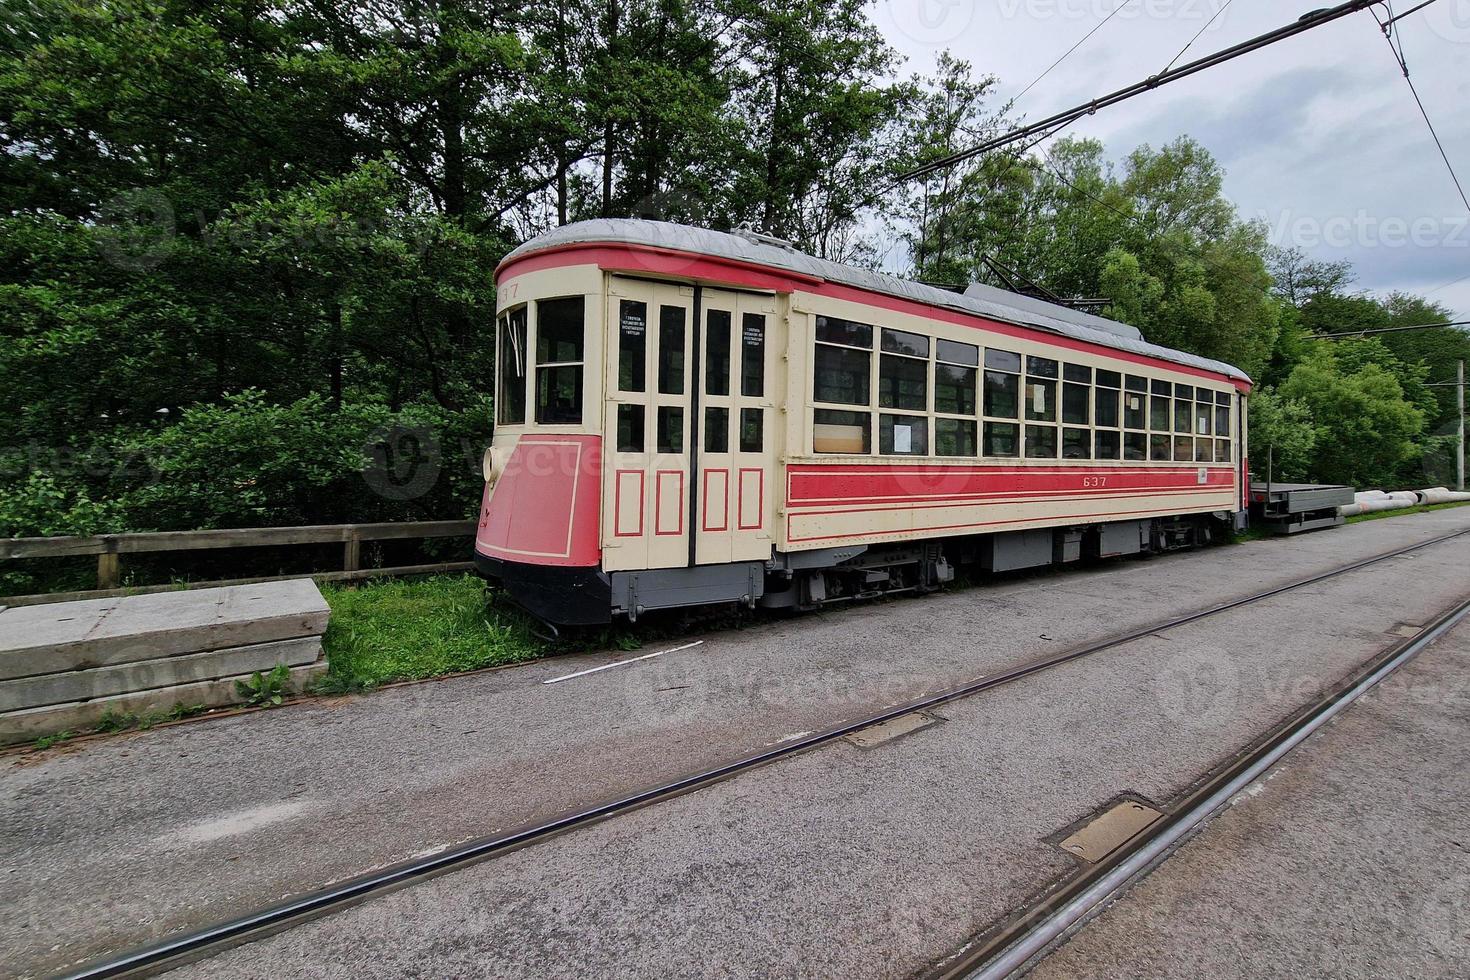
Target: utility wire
(1199,33)
(1308,22)
(1415,326)
(1100,25)
(1396,45)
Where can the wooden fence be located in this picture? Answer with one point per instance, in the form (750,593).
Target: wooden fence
(109,549)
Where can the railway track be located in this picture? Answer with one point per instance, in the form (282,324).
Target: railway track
(1017,945)
(1010,941)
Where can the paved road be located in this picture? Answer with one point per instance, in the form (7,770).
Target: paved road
(935,835)
(1352,859)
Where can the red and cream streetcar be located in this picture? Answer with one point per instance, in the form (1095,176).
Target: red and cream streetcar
(687,417)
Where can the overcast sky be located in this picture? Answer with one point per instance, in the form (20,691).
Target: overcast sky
(1319,134)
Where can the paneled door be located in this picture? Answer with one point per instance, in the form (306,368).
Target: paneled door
(737,423)
(646,442)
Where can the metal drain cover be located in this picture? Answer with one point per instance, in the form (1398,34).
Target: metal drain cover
(1106,832)
(887,731)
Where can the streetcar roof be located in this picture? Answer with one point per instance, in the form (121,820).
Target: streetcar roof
(978,299)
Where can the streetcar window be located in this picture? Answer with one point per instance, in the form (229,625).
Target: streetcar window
(512,399)
(1135,383)
(1204,450)
(910,344)
(1202,418)
(1160,448)
(670,429)
(955,377)
(630,428)
(840,432)
(903,380)
(632,345)
(841,375)
(1041,367)
(952,352)
(1158,413)
(1184,391)
(717,353)
(1222,422)
(1076,372)
(1041,442)
(831,330)
(1076,443)
(1075,409)
(1002,439)
(1002,393)
(1222,398)
(1134,415)
(1162,388)
(1135,445)
(1041,394)
(1222,450)
(1106,397)
(1041,400)
(903,435)
(1002,360)
(671,350)
(716,430)
(1183,414)
(1107,445)
(842,363)
(954,389)
(1183,449)
(954,437)
(752,429)
(559,346)
(753,356)
(1109,379)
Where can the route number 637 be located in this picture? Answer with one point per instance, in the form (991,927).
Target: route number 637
(1094,481)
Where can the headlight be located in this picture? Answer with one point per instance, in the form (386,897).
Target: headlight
(492,464)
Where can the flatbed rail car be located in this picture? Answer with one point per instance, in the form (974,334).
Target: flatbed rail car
(686,417)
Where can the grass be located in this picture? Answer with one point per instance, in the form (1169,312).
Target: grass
(411,629)
(1425,508)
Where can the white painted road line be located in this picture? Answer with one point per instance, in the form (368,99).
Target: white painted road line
(621,663)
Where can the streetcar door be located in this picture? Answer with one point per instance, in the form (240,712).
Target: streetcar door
(737,425)
(646,437)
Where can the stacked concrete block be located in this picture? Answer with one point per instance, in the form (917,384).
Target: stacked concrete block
(63,666)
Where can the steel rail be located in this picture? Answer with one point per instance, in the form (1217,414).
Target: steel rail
(174,951)
(1075,903)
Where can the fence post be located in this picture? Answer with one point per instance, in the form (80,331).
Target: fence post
(351,552)
(109,570)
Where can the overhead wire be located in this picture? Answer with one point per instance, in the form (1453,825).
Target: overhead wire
(1395,41)
(1099,26)
(1198,35)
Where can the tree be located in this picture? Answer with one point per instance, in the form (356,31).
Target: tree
(1365,429)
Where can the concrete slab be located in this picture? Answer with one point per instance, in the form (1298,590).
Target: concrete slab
(31,723)
(145,675)
(101,632)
